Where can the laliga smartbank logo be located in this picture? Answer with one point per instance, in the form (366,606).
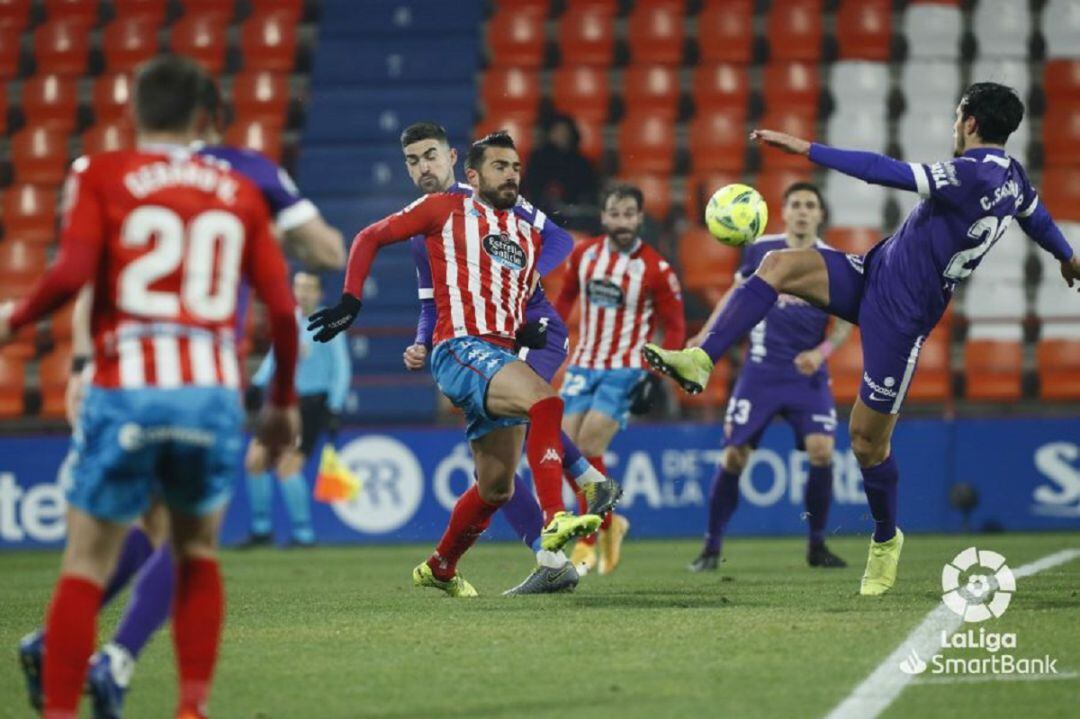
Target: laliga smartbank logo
(977,585)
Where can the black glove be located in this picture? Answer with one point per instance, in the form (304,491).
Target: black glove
(333,424)
(532,335)
(644,394)
(333,320)
(253,399)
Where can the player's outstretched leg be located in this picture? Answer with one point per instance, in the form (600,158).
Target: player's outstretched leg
(871,433)
(723,501)
(819,447)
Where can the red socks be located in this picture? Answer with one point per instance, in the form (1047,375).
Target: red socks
(70,634)
(471,516)
(543,447)
(198,610)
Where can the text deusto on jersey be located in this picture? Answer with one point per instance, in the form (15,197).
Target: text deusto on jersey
(149,179)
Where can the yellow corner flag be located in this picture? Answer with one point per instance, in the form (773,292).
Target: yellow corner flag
(334,483)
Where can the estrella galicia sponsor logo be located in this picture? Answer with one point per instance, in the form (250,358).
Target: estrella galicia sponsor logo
(504,251)
(604,293)
(392,484)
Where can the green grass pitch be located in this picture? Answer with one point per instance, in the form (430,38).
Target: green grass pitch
(340,632)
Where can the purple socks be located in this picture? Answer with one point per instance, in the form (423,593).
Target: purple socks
(523,513)
(879,482)
(571,454)
(723,499)
(151,600)
(137,548)
(818,498)
(747,306)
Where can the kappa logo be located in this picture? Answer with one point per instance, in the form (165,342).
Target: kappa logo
(551,455)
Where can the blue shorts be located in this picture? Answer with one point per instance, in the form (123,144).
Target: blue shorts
(463,368)
(805,403)
(890,355)
(606,391)
(183,444)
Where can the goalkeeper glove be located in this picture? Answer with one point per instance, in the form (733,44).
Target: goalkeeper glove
(332,320)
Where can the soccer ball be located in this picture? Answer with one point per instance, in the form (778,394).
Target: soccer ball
(736,214)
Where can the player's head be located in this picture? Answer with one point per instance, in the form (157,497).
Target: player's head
(987,114)
(562,132)
(307,289)
(622,210)
(428,156)
(169,92)
(804,210)
(493,168)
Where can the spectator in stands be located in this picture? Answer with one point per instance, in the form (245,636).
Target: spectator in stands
(560,180)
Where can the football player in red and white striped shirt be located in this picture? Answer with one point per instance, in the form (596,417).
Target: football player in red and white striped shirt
(483,268)
(627,290)
(164,236)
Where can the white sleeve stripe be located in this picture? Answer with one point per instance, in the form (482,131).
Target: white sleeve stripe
(539,219)
(1026,212)
(426,293)
(922,182)
(295,215)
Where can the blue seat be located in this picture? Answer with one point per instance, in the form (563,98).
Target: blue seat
(348,171)
(383,401)
(395,61)
(352,214)
(354,18)
(342,117)
(379,352)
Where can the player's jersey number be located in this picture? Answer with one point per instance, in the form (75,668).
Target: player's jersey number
(989,230)
(573,384)
(738,411)
(209,236)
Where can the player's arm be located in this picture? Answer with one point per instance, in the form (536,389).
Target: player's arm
(416,219)
(556,244)
(809,361)
(415,355)
(315,243)
(667,296)
(265,268)
(341,379)
(1035,220)
(868,166)
(571,287)
(82,352)
(265,371)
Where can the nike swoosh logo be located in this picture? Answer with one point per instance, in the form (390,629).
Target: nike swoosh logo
(874,397)
(552,579)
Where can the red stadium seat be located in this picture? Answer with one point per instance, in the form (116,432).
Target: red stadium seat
(1061,80)
(293,8)
(993,370)
(107,136)
(793,122)
(53,371)
(29,214)
(582,90)
(1059,369)
(39,156)
(701,185)
(845,369)
(651,88)
(21,260)
(84,12)
(510,90)
(724,31)
(13,380)
(201,37)
(110,96)
(718,140)
(708,266)
(50,101)
(933,381)
(1060,192)
(223,10)
(62,47)
(793,86)
(772,184)
(794,30)
(261,135)
(864,30)
(10,46)
(591,130)
(268,42)
(719,86)
(587,36)
(657,191)
(516,37)
(129,41)
(520,127)
(1061,134)
(60,324)
(152,10)
(853,240)
(260,94)
(14,14)
(655,32)
(647,143)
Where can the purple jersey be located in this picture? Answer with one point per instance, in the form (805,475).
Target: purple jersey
(792,326)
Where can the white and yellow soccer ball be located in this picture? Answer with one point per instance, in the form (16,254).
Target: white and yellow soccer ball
(736,214)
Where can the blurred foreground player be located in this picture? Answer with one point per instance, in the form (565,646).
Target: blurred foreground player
(164,236)
(900,289)
(625,287)
(784,375)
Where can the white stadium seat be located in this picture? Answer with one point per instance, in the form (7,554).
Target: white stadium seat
(927,136)
(930,86)
(932,31)
(1005,260)
(858,130)
(999,331)
(859,84)
(993,300)
(1011,72)
(1061,28)
(1001,27)
(853,202)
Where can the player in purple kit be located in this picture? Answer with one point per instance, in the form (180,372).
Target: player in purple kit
(543,343)
(783,375)
(900,289)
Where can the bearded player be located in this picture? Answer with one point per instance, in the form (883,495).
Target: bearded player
(784,375)
(900,289)
(626,290)
(483,264)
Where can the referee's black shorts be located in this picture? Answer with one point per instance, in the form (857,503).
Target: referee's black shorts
(314,419)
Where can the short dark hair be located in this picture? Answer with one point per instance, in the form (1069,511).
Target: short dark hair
(997,110)
(499,138)
(804,186)
(169,89)
(424,131)
(621,190)
(210,101)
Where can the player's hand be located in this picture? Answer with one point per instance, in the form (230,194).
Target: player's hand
(532,335)
(1070,270)
(6,308)
(643,395)
(415,357)
(333,424)
(809,362)
(781,141)
(278,429)
(332,320)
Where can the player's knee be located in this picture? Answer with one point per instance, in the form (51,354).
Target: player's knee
(497,492)
(736,459)
(819,452)
(869,449)
(255,459)
(774,268)
(289,464)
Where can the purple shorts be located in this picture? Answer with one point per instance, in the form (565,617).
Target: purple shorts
(890,355)
(805,403)
(546,362)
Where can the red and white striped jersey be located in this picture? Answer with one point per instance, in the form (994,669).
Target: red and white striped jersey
(482,262)
(164,235)
(623,294)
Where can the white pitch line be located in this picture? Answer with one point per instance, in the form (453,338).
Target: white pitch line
(981,678)
(874,695)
